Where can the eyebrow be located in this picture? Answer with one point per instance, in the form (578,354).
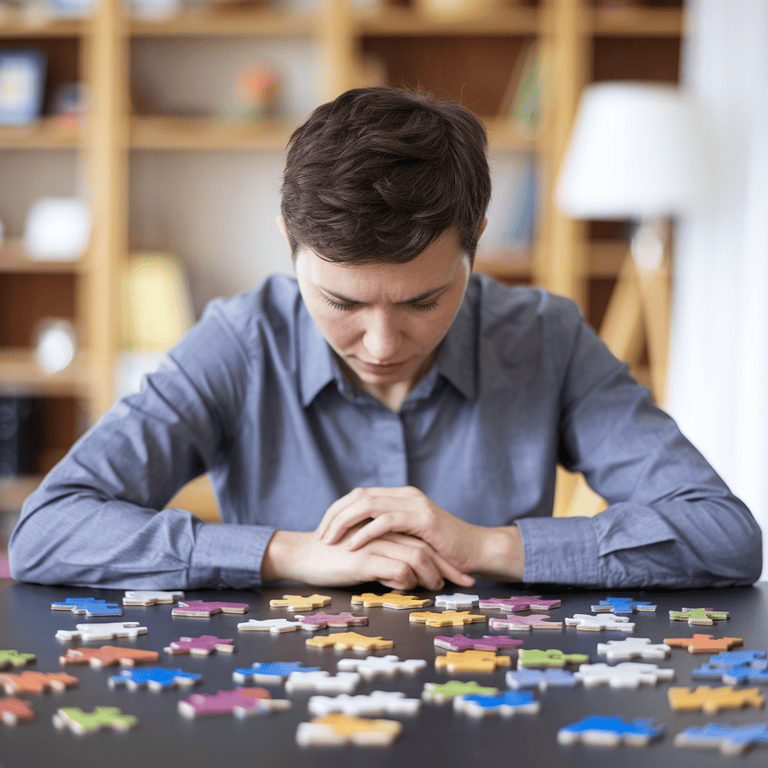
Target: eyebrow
(413,300)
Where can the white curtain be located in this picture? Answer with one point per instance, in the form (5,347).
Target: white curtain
(718,385)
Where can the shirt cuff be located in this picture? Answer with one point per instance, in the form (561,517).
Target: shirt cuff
(228,555)
(559,550)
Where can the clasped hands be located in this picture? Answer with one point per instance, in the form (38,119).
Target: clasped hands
(397,536)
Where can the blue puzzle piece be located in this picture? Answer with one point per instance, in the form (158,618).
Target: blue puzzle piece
(619,605)
(708,672)
(276,671)
(739,658)
(490,701)
(608,730)
(745,674)
(155,677)
(732,739)
(541,679)
(90,606)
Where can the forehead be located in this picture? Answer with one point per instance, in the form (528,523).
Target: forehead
(442,262)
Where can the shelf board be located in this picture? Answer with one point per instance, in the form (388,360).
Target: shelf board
(207,133)
(14,491)
(395,22)
(46,133)
(20,373)
(636,22)
(258,22)
(18,25)
(13,260)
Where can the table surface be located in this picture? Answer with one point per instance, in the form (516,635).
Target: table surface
(439,734)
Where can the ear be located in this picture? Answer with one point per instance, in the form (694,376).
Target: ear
(281,226)
(482,228)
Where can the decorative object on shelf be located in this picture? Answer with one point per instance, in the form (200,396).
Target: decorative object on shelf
(524,98)
(256,93)
(22,82)
(55,344)
(70,102)
(637,152)
(58,229)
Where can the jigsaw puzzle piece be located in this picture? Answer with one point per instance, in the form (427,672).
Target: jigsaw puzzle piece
(713,700)
(154,678)
(147,597)
(703,643)
(90,606)
(201,646)
(517,604)
(107,655)
(322,620)
(13,710)
(300,603)
(729,739)
(506,704)
(395,600)
(471,661)
(534,658)
(486,643)
(371,705)
(341,682)
(446,618)
(541,679)
(375,666)
(338,729)
(609,731)
(275,626)
(440,693)
(457,601)
(524,623)
(693,616)
(80,722)
(350,640)
(240,702)
(628,674)
(270,672)
(103,631)
(633,647)
(622,605)
(36,682)
(15,659)
(204,610)
(585,621)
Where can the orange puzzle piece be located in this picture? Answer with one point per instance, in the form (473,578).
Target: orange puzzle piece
(713,700)
(446,618)
(13,710)
(346,640)
(704,643)
(471,661)
(108,655)
(336,729)
(36,682)
(390,600)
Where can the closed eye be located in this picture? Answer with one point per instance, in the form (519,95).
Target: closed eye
(339,304)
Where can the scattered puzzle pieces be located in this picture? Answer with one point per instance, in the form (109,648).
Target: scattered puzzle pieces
(457,601)
(703,643)
(36,682)
(730,739)
(394,600)
(201,646)
(375,666)
(274,672)
(299,603)
(525,623)
(240,702)
(628,674)
(80,722)
(506,704)
(90,606)
(147,597)
(322,620)
(601,621)
(13,710)
(103,631)
(202,610)
(155,678)
(319,680)
(446,618)
(533,658)
(486,643)
(107,655)
(439,693)
(276,626)
(633,648)
(338,729)
(347,640)
(609,731)
(15,659)
(713,700)
(471,661)
(694,616)
(375,703)
(536,678)
(516,604)
(621,605)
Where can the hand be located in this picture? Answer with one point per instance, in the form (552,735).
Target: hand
(396,560)
(367,514)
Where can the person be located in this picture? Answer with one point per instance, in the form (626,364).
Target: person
(387,415)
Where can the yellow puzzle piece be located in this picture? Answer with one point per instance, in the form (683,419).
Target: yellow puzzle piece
(446,618)
(390,600)
(336,729)
(713,700)
(353,640)
(471,661)
(299,603)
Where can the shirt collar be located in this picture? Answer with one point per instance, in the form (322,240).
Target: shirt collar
(455,361)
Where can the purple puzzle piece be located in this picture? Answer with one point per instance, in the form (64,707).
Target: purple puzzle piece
(201,646)
(321,619)
(525,622)
(516,604)
(486,643)
(238,701)
(205,610)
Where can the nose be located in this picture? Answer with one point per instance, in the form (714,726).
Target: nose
(383,337)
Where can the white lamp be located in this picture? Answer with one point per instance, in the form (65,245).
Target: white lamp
(638,151)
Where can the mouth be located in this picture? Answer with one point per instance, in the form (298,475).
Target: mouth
(383,370)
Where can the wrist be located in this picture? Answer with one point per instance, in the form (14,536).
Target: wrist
(281,561)
(502,554)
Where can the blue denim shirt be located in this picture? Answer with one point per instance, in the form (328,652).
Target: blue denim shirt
(254,396)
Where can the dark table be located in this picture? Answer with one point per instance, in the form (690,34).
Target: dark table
(436,736)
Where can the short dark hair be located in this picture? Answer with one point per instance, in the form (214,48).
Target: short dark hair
(377,174)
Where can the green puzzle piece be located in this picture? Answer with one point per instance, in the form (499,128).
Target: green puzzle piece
(534,657)
(101,717)
(15,659)
(454,688)
(701,614)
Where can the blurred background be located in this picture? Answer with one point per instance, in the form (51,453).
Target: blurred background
(142,144)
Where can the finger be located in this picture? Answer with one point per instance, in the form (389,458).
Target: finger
(390,572)
(418,559)
(388,522)
(358,511)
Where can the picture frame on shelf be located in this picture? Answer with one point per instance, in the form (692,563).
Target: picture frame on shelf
(22,84)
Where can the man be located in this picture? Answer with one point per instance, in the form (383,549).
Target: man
(386,416)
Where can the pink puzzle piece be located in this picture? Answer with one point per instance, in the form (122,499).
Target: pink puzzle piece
(240,702)
(13,710)
(524,623)
(516,604)
(201,646)
(322,620)
(486,643)
(204,610)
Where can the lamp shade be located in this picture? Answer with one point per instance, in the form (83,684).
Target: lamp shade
(637,151)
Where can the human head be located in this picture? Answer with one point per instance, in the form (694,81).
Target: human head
(377,174)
